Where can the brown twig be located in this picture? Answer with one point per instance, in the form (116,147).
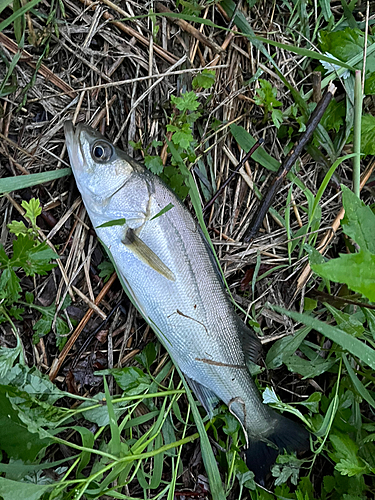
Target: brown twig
(43,70)
(239,166)
(190,29)
(167,56)
(334,299)
(289,162)
(57,362)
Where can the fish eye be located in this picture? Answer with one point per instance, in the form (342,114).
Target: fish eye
(101,151)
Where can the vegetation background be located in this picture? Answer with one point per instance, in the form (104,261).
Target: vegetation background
(90,404)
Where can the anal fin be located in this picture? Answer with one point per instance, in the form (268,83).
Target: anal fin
(207,398)
(146,255)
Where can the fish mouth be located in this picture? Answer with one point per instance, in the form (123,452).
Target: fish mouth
(73,141)
(73,144)
(72,134)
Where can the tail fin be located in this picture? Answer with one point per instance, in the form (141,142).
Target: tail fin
(286,435)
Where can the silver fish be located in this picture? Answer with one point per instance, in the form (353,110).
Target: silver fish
(170,272)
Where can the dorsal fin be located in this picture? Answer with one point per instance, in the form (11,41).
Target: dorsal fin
(251,345)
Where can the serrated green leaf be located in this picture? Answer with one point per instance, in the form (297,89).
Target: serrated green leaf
(277,117)
(106,270)
(333,117)
(342,44)
(359,220)
(111,223)
(266,95)
(347,468)
(16,312)
(182,136)
(10,288)
(32,209)
(15,439)
(187,102)
(8,356)
(154,164)
(21,248)
(33,257)
(346,453)
(355,270)
(205,79)
(17,228)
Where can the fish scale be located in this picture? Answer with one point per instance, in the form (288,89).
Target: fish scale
(169,271)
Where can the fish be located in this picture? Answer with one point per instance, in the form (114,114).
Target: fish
(170,272)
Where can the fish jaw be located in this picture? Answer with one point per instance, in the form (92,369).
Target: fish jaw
(97,180)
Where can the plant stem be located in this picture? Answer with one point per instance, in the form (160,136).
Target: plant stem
(357,132)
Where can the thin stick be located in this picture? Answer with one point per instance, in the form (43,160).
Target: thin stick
(184,25)
(289,162)
(167,56)
(57,362)
(241,164)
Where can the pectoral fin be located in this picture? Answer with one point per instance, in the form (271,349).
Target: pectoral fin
(146,255)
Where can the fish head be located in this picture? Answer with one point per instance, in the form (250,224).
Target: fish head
(100,169)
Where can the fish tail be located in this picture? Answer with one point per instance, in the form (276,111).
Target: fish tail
(286,435)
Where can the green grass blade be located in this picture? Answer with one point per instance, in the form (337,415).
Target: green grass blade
(157,469)
(354,346)
(115,443)
(10,184)
(209,460)
(357,133)
(306,53)
(247,141)
(360,388)
(17,14)
(4,4)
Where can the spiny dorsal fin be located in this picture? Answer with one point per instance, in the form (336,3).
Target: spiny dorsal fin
(146,255)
